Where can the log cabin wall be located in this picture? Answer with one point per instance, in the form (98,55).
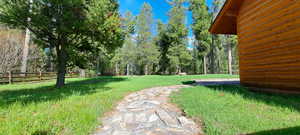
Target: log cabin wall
(269,44)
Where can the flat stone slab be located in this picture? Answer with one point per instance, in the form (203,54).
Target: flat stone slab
(148,112)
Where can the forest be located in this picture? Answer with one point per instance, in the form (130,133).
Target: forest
(103,41)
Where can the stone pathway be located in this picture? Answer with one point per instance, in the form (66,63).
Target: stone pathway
(148,112)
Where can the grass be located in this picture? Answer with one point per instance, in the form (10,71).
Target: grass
(233,110)
(41,109)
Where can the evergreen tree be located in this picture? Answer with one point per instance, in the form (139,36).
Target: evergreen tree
(179,57)
(148,52)
(217,50)
(173,45)
(128,52)
(77,29)
(196,62)
(26,45)
(163,43)
(222,45)
(126,57)
(201,23)
(216,7)
(231,44)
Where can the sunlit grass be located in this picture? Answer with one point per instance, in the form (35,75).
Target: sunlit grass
(41,109)
(233,110)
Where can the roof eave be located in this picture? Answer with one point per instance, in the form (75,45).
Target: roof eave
(226,20)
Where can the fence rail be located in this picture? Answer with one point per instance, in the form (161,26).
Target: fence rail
(12,77)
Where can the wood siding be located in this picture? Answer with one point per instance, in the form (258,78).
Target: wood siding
(269,44)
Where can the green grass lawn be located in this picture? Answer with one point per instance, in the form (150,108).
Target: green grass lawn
(41,109)
(232,110)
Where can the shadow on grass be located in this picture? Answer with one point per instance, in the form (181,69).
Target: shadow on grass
(284,131)
(48,93)
(290,101)
(189,82)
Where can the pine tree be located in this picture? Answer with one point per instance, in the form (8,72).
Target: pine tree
(163,43)
(173,45)
(26,44)
(217,6)
(147,51)
(231,43)
(76,29)
(201,23)
(216,51)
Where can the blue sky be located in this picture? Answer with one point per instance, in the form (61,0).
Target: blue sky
(160,9)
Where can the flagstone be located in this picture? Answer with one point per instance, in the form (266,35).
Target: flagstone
(148,112)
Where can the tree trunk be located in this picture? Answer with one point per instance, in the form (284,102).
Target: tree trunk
(146,69)
(212,57)
(26,43)
(82,73)
(25,51)
(178,69)
(61,66)
(132,69)
(98,66)
(204,65)
(127,70)
(52,63)
(229,59)
(50,66)
(219,64)
(117,69)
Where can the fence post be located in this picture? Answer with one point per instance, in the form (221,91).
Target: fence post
(9,77)
(40,75)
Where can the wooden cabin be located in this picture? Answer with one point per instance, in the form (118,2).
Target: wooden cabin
(269,42)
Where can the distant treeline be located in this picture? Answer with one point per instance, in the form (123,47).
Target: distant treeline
(149,47)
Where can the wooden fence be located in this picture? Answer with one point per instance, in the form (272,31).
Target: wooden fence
(13,77)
